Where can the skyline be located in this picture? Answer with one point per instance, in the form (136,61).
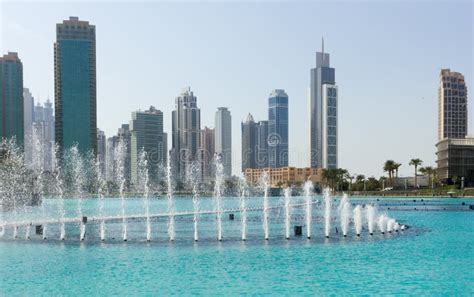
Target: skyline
(356,143)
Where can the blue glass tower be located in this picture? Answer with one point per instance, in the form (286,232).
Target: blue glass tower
(11,98)
(278,129)
(75,85)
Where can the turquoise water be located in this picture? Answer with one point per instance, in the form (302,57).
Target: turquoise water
(434,257)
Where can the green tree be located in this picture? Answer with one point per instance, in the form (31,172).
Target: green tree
(389,167)
(416,162)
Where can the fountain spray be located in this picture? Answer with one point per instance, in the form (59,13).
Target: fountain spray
(193,177)
(358,219)
(382,222)
(119,160)
(100,195)
(218,189)
(169,194)
(344,213)
(265,184)
(143,178)
(78,178)
(287,193)
(308,191)
(327,212)
(59,190)
(370,218)
(243,208)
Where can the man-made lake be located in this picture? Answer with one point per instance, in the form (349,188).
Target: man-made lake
(435,256)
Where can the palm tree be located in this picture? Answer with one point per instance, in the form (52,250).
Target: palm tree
(416,162)
(430,172)
(389,167)
(395,167)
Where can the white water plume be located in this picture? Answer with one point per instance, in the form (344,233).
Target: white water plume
(358,220)
(287,193)
(308,191)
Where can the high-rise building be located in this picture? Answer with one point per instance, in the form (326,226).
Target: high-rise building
(101,150)
(110,156)
(28,112)
(186,127)
(452,105)
(455,150)
(207,150)
(146,128)
(278,129)
(125,134)
(223,138)
(249,152)
(112,142)
(262,144)
(455,160)
(323,114)
(43,127)
(75,85)
(11,100)
(28,117)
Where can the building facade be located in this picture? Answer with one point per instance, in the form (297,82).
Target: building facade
(101,150)
(284,176)
(223,138)
(146,130)
(278,129)
(206,151)
(452,105)
(43,127)
(186,129)
(28,117)
(455,160)
(11,100)
(330,127)
(262,144)
(322,78)
(249,152)
(75,85)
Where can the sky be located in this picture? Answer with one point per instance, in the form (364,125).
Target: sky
(387,57)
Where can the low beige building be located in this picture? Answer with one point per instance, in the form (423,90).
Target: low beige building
(284,175)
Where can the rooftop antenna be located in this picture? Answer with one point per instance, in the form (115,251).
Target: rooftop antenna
(323,44)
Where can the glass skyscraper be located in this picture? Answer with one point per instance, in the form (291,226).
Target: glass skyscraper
(75,85)
(11,100)
(278,129)
(262,144)
(323,114)
(146,128)
(223,138)
(249,138)
(186,129)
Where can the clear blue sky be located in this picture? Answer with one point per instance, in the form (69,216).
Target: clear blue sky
(387,58)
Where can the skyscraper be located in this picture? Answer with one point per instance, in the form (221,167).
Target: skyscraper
(101,150)
(75,85)
(223,138)
(262,144)
(28,117)
(186,127)
(207,151)
(28,112)
(11,100)
(249,152)
(323,117)
(146,128)
(452,105)
(455,150)
(43,126)
(278,129)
